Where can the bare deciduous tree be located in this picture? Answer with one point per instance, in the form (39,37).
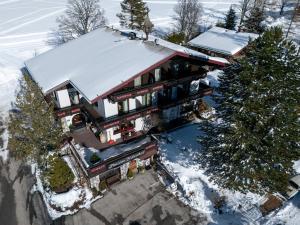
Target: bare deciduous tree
(245,6)
(282,3)
(188,14)
(81,17)
(295,16)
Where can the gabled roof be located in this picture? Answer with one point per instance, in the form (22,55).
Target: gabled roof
(100,61)
(221,40)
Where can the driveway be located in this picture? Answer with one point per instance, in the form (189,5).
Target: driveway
(141,201)
(17,205)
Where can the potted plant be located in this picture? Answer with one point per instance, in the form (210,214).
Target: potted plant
(130,174)
(142,169)
(103,186)
(94,158)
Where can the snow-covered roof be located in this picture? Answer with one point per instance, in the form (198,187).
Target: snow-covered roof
(99,61)
(188,51)
(221,40)
(86,153)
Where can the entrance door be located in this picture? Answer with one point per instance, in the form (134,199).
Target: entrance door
(114,178)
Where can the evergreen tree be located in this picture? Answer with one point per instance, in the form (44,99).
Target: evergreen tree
(1,132)
(175,37)
(255,138)
(230,20)
(58,174)
(33,130)
(253,23)
(133,14)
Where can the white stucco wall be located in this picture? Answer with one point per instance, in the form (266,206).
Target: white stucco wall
(111,136)
(132,104)
(63,98)
(100,109)
(139,123)
(111,109)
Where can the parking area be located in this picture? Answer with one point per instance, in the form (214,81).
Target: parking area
(141,201)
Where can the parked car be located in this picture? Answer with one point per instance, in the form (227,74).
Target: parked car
(294,187)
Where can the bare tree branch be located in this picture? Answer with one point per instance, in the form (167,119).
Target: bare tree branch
(188,14)
(81,17)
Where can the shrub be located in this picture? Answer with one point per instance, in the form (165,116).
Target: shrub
(129,173)
(220,24)
(103,185)
(94,158)
(58,175)
(219,202)
(177,38)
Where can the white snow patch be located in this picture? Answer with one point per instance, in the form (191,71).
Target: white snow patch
(63,204)
(180,158)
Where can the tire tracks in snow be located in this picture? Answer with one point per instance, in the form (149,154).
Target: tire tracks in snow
(31,21)
(8,2)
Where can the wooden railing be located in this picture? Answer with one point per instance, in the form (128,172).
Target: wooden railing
(131,115)
(67,111)
(149,88)
(204,90)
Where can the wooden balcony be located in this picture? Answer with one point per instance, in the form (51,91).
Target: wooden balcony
(144,151)
(149,88)
(85,137)
(119,119)
(204,90)
(67,111)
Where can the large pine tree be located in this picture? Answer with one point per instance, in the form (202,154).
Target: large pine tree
(253,22)
(133,14)
(230,20)
(255,138)
(33,130)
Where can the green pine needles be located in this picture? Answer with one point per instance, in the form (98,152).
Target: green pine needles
(33,130)
(58,175)
(253,142)
(133,14)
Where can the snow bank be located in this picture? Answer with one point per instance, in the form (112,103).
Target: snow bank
(179,154)
(67,203)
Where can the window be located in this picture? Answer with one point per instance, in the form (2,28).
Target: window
(151,79)
(157,75)
(137,82)
(146,100)
(123,106)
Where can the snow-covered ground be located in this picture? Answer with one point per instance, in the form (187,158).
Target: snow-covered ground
(79,196)
(180,158)
(24,28)
(179,151)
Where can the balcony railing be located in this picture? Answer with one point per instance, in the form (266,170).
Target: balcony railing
(182,97)
(143,150)
(149,88)
(105,123)
(70,110)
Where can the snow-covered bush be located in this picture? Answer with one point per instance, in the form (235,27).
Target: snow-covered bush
(58,175)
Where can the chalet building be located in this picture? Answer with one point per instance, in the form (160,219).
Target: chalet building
(221,42)
(111,87)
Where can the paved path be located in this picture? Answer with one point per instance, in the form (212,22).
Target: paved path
(17,205)
(141,201)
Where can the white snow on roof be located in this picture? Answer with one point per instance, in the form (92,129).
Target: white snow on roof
(86,153)
(188,51)
(223,41)
(99,61)
(95,62)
